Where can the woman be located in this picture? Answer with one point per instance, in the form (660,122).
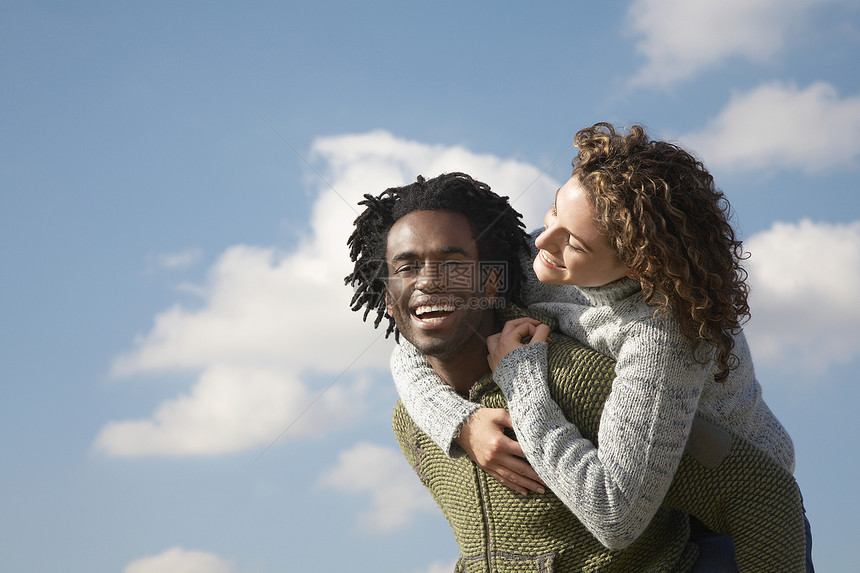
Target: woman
(642,236)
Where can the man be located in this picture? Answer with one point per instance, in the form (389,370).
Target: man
(440,260)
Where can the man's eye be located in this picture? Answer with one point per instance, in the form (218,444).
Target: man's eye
(406,268)
(575,248)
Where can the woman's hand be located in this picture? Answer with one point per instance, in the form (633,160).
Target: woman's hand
(512,336)
(483,438)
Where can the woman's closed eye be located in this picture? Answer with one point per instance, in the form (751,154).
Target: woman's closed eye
(554,213)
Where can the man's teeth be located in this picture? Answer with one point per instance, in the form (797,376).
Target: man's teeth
(435,308)
(427,309)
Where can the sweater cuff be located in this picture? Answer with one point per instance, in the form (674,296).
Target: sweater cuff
(521,369)
(433,405)
(446,439)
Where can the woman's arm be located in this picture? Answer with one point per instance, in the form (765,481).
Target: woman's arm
(615,489)
(433,405)
(457,425)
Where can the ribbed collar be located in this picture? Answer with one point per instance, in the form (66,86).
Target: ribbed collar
(611,293)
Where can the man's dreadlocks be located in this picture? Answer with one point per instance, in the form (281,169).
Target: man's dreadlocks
(496,226)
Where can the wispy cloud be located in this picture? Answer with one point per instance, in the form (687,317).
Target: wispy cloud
(267,317)
(179,560)
(174,261)
(782,126)
(680,39)
(805,278)
(396,493)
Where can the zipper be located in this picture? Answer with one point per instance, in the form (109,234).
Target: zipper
(483,495)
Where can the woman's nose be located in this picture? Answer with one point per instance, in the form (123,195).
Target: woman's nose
(544,240)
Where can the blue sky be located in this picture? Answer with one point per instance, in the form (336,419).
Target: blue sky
(184,387)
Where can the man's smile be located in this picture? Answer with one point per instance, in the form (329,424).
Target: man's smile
(433,313)
(434,293)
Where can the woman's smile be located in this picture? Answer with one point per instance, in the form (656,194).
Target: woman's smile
(549,262)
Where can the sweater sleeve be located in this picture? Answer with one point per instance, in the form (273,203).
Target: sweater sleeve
(614,489)
(433,405)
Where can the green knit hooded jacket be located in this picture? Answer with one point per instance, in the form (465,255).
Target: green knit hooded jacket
(728,484)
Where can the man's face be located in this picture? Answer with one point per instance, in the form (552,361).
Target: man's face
(434,292)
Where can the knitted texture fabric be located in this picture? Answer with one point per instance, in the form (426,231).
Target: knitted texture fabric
(653,354)
(501,531)
(658,392)
(749,496)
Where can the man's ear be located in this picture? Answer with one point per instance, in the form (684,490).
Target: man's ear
(491,286)
(388,302)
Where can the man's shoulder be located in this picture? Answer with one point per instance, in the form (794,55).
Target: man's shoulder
(566,355)
(401,419)
(580,380)
(512,311)
(413,442)
(565,352)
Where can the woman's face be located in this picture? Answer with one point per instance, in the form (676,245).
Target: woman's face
(572,250)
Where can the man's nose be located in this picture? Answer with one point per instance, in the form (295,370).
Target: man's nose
(430,278)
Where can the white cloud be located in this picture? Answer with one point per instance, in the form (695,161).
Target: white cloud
(231,409)
(782,126)
(396,492)
(174,261)
(368,163)
(268,317)
(805,278)
(679,38)
(178,560)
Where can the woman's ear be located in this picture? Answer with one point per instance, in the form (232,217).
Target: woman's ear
(631,274)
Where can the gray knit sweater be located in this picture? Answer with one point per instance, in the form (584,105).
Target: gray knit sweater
(616,488)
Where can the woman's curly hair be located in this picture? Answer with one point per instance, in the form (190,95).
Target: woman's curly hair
(496,226)
(670,225)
